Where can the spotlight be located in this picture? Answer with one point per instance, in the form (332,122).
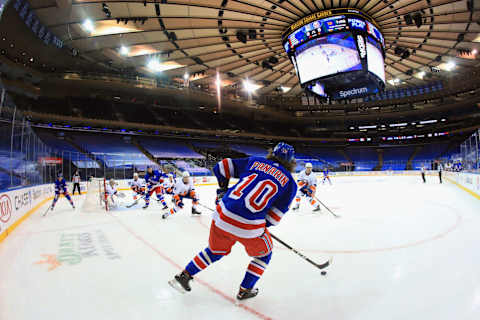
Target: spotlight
(124,50)
(88,25)
(186,76)
(421,74)
(450,66)
(285,89)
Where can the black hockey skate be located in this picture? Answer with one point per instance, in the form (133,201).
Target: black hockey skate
(165,207)
(317,209)
(145,206)
(244,294)
(195,211)
(295,208)
(165,215)
(181,282)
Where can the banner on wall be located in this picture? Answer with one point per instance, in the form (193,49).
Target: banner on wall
(15,204)
(50,161)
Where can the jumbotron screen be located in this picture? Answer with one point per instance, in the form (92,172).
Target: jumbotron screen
(338,50)
(330,54)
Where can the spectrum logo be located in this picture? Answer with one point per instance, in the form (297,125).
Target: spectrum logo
(352,92)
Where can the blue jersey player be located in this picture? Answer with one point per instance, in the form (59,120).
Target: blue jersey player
(61,188)
(154,180)
(243,213)
(326,176)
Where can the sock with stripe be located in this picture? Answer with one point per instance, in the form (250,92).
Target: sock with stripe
(201,261)
(255,270)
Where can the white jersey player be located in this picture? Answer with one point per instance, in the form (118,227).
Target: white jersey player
(111,192)
(137,185)
(307,185)
(183,189)
(169,184)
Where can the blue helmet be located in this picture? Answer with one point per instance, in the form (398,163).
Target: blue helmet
(284,151)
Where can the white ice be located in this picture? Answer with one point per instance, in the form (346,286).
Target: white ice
(401,250)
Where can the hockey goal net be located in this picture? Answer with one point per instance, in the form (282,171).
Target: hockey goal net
(96,198)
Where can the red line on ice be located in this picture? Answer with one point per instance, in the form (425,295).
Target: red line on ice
(202,282)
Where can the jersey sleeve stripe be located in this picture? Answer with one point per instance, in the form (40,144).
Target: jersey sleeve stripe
(225,168)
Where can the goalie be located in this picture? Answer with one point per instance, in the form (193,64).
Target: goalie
(112,193)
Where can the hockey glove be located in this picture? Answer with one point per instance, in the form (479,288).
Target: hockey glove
(220,193)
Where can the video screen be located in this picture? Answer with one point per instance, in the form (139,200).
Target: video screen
(375,59)
(316,28)
(327,56)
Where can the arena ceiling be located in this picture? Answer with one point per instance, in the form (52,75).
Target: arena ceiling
(198,37)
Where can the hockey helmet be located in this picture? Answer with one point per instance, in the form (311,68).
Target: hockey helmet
(284,151)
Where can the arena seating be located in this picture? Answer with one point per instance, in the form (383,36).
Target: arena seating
(396,158)
(328,155)
(112,150)
(167,149)
(363,158)
(250,150)
(60,146)
(191,167)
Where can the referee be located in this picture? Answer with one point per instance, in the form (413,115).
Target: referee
(76,182)
(423,174)
(440,168)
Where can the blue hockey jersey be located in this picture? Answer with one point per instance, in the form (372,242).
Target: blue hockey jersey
(261,197)
(60,185)
(154,178)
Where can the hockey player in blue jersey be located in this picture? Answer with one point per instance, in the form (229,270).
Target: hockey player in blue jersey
(61,188)
(244,212)
(326,176)
(154,180)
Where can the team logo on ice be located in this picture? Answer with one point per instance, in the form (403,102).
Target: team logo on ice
(73,248)
(5,208)
(51,260)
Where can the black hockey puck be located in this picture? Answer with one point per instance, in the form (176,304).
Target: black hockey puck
(324,273)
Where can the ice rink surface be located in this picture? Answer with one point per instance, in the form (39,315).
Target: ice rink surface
(401,250)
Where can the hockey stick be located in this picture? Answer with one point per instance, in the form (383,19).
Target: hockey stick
(328,209)
(301,255)
(46,211)
(135,202)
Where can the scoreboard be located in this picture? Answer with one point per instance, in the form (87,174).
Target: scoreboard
(337,53)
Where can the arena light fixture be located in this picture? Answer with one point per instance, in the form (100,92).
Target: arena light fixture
(450,66)
(249,86)
(88,25)
(186,76)
(154,65)
(421,74)
(403,124)
(367,127)
(428,121)
(124,50)
(285,89)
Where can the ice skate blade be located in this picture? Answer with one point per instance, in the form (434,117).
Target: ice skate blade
(175,285)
